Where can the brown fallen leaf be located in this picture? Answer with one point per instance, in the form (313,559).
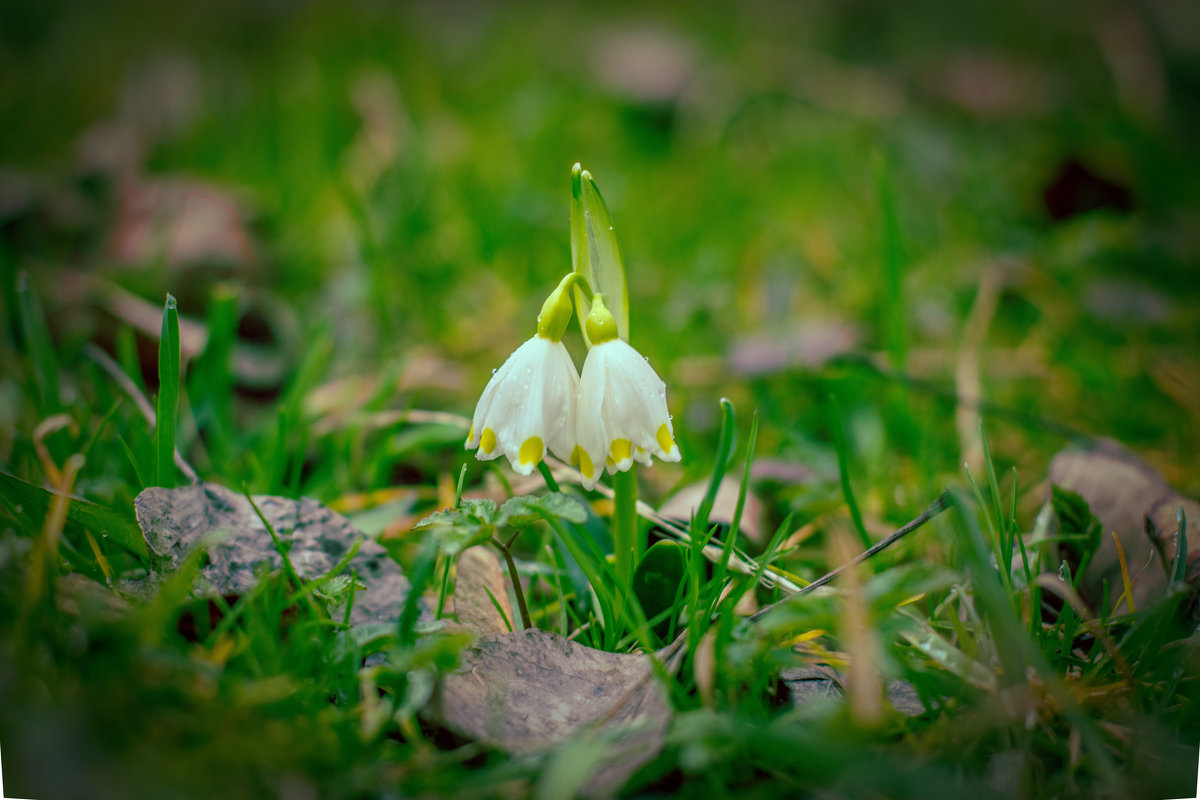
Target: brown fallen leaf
(175,522)
(531,690)
(807,345)
(991,86)
(477,573)
(643,64)
(684,503)
(1132,499)
(179,221)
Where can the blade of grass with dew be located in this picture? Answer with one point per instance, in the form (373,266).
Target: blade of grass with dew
(32,503)
(843,456)
(168,396)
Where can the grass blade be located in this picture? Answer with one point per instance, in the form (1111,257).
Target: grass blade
(843,455)
(1179,565)
(32,503)
(724,449)
(36,336)
(168,396)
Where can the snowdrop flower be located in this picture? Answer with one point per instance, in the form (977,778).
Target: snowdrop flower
(529,404)
(622,414)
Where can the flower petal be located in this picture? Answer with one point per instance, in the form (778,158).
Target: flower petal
(622,410)
(527,406)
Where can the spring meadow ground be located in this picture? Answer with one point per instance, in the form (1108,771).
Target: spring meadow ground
(920,268)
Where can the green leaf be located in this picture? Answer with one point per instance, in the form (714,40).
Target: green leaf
(456,529)
(521,512)
(657,579)
(595,254)
(475,521)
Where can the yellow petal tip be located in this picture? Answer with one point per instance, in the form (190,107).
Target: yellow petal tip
(532,451)
(665,441)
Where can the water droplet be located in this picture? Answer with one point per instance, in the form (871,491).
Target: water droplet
(493,372)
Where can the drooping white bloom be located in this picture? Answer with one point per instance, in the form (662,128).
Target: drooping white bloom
(527,407)
(622,414)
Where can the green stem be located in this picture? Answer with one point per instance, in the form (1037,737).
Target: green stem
(627,544)
(505,550)
(551,484)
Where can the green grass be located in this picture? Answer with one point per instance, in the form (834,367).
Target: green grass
(403,190)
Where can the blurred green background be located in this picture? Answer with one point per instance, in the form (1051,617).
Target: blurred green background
(936,212)
(808,196)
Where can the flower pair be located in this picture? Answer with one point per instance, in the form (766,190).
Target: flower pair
(612,415)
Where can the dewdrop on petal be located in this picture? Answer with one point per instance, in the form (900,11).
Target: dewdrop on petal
(529,404)
(622,414)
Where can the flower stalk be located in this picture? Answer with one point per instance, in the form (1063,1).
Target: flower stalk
(603,419)
(628,545)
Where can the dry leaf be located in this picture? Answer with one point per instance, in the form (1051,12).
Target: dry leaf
(530,690)
(684,503)
(991,86)
(176,521)
(479,569)
(1132,499)
(643,64)
(179,221)
(807,345)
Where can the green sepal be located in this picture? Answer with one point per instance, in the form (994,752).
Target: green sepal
(595,254)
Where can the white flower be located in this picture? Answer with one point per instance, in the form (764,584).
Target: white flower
(528,406)
(622,414)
